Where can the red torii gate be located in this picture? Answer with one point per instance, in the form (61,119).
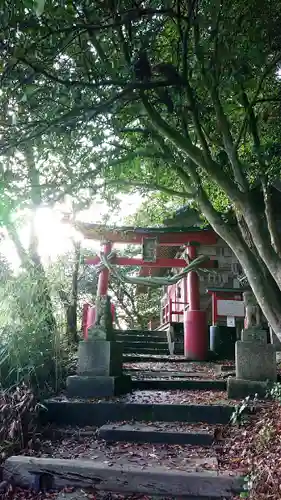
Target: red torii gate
(151,238)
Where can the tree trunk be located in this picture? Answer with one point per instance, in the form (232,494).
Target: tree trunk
(70,301)
(262,240)
(71,323)
(264,289)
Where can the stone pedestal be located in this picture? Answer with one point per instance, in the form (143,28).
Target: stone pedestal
(97,387)
(255,361)
(240,389)
(99,371)
(255,365)
(100,358)
(275,341)
(254,334)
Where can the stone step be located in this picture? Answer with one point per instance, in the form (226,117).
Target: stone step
(156,346)
(150,372)
(143,333)
(139,338)
(168,384)
(30,472)
(142,433)
(147,358)
(146,350)
(83,412)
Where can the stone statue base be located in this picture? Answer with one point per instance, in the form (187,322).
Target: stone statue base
(255,362)
(100,358)
(97,387)
(99,371)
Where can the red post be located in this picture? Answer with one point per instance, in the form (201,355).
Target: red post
(170,309)
(86,307)
(104,274)
(195,335)
(195,321)
(193,283)
(214,308)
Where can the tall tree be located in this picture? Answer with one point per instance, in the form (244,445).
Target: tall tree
(180,96)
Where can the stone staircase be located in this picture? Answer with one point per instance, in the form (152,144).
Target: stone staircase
(155,442)
(146,342)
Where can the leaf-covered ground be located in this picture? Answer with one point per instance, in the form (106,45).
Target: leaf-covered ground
(252,449)
(176,397)
(256,447)
(88,494)
(146,455)
(189,370)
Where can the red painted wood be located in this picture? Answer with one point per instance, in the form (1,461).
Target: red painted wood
(193,283)
(104,274)
(195,335)
(185,289)
(170,310)
(214,309)
(84,320)
(220,296)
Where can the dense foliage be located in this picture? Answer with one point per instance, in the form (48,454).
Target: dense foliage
(177,97)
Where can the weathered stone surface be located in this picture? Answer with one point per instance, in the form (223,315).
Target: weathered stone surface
(255,361)
(143,433)
(252,310)
(191,385)
(275,340)
(100,357)
(83,413)
(225,368)
(26,472)
(254,334)
(239,388)
(72,495)
(103,327)
(91,387)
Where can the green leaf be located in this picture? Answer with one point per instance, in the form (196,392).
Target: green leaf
(39,6)
(28,4)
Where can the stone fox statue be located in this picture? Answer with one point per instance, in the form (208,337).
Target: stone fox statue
(252,310)
(104,318)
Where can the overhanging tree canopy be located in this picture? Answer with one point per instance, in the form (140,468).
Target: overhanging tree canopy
(178,96)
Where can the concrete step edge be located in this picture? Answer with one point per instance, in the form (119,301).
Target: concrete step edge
(83,413)
(27,472)
(192,384)
(136,433)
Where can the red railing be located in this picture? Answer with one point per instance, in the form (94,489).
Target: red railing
(168,311)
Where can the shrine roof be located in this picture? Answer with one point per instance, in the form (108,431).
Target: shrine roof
(101,229)
(128,234)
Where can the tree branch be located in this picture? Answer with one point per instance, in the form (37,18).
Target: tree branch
(193,152)
(270,67)
(139,153)
(222,120)
(196,122)
(134,85)
(148,187)
(271,219)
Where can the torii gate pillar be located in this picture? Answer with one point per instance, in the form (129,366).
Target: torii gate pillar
(195,321)
(104,274)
